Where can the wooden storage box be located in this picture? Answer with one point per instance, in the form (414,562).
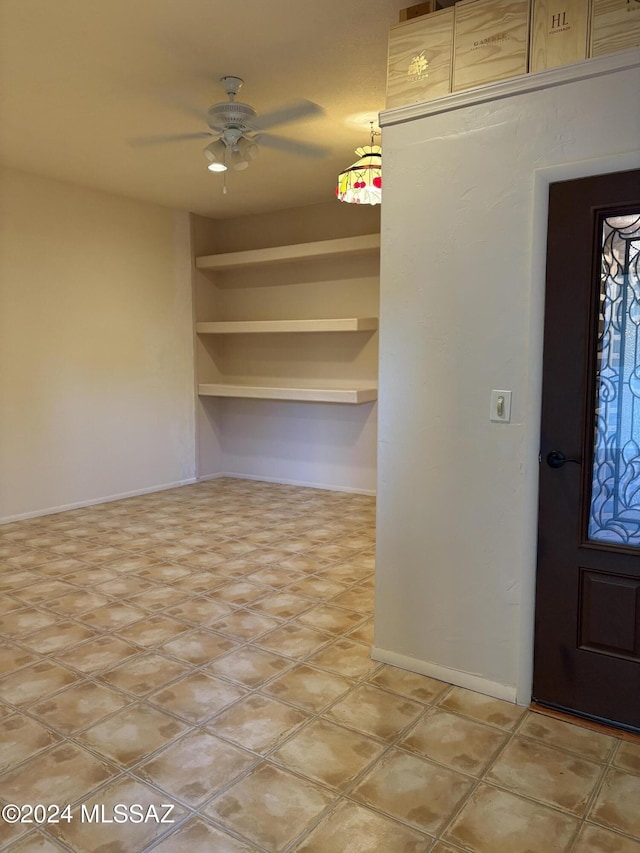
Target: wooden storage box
(559,33)
(491,41)
(615,25)
(420,54)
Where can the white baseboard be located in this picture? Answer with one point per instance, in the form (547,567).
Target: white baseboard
(103,500)
(285,482)
(445,673)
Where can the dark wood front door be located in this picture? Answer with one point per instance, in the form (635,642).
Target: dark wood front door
(587,633)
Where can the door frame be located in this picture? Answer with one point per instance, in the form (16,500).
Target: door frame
(542,178)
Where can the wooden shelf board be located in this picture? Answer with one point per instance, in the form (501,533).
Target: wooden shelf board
(296,252)
(354,396)
(236,327)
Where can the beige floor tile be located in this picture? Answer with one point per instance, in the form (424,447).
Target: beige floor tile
(345,573)
(595,839)
(201,560)
(13,657)
(20,738)
(409,684)
(95,655)
(125,837)
(463,744)
(358,598)
(545,774)
(44,591)
(78,707)
(8,604)
(308,688)
(367,561)
(334,620)
(152,631)
(347,658)
(89,576)
(628,756)
(249,666)
(10,833)
(375,712)
(132,733)
(199,646)
(158,597)
(583,742)
(122,586)
(329,754)
(318,587)
(304,563)
(363,633)
(169,551)
(494,821)
(333,552)
(165,572)
(131,564)
(17,579)
(60,775)
(30,559)
(59,636)
(34,682)
(282,605)
(483,708)
(19,623)
(617,804)
(141,675)
(197,697)
(413,790)
(294,640)
(76,602)
(244,625)
(195,767)
(197,836)
(36,842)
(257,723)
(112,616)
(270,807)
(199,611)
(275,577)
(350,828)
(240,593)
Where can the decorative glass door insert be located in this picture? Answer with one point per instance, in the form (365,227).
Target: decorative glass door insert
(614,513)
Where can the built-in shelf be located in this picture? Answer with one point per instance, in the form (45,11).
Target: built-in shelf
(338,248)
(354,395)
(242,327)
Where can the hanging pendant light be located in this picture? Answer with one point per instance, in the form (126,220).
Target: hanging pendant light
(361,183)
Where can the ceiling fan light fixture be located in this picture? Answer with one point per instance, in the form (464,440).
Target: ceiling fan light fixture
(235,159)
(248,148)
(361,183)
(215,154)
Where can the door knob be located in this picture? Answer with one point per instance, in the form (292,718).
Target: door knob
(556,459)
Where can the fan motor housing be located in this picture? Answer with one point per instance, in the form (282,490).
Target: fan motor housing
(230,114)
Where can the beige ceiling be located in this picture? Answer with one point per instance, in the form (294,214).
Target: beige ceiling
(79,79)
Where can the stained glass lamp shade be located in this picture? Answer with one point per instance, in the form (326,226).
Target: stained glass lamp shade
(361,183)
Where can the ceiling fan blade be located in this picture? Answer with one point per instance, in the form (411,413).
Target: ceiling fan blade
(284,115)
(145,141)
(291,146)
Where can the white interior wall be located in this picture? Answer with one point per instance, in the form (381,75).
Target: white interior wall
(314,444)
(462,291)
(96,346)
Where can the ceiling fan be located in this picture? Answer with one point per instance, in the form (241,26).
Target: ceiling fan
(237,130)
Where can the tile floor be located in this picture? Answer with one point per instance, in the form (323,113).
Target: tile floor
(208,648)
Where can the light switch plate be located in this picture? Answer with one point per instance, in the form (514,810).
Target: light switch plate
(500,411)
